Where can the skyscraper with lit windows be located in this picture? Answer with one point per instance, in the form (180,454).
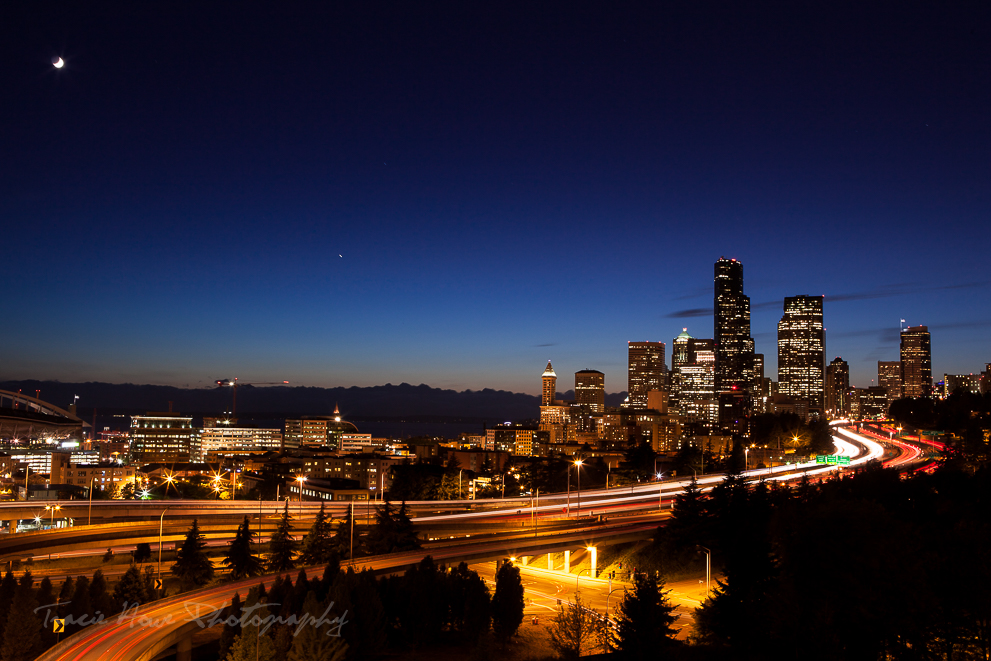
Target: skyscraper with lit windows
(647,367)
(731,328)
(837,387)
(801,350)
(916,355)
(590,390)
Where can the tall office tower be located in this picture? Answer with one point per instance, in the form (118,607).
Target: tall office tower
(917,372)
(731,327)
(889,377)
(697,398)
(646,371)
(550,386)
(801,350)
(837,387)
(590,390)
(679,358)
(986,379)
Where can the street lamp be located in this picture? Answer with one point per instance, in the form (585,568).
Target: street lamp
(660,489)
(161,523)
(708,568)
(587,569)
(300,479)
(53,509)
(578,466)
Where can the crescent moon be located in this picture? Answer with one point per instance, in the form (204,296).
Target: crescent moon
(58,63)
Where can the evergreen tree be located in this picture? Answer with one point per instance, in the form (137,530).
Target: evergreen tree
(644,626)
(130,589)
(99,596)
(64,598)
(22,633)
(192,566)
(342,536)
(407,539)
(46,604)
(240,560)
(251,642)
(142,553)
(383,536)
(231,628)
(81,609)
(318,643)
(8,588)
(317,547)
(577,630)
(282,547)
(470,604)
(507,602)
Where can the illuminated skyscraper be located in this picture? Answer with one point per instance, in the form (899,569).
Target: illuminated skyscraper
(917,373)
(731,328)
(889,377)
(646,371)
(801,350)
(590,390)
(837,387)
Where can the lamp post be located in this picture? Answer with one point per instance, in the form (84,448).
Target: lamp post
(578,575)
(300,479)
(708,568)
(660,490)
(461,470)
(89,515)
(161,523)
(578,466)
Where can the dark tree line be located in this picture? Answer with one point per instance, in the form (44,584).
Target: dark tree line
(869,566)
(27,612)
(426,606)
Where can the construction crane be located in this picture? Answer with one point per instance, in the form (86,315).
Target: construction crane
(234,383)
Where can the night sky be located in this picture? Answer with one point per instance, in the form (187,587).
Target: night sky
(364,193)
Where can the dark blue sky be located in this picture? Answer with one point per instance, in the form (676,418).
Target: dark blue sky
(504,183)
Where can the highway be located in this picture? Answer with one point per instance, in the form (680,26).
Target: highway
(630,514)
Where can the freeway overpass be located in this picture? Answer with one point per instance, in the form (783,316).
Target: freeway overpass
(170,622)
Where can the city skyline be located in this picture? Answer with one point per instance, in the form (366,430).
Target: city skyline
(345,198)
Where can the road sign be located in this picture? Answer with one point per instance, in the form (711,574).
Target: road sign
(831,459)
(158,584)
(844,461)
(58,626)
(820,458)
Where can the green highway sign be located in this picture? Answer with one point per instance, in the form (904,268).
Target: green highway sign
(833,459)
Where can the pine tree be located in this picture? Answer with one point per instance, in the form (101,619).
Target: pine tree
(282,546)
(81,609)
(251,644)
(318,643)
(407,539)
(22,633)
(644,627)
(142,553)
(507,602)
(383,536)
(470,604)
(65,596)
(99,597)
(192,566)
(130,589)
(342,536)
(239,559)
(8,588)
(231,627)
(46,605)
(317,547)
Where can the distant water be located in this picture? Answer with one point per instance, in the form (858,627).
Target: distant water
(407,429)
